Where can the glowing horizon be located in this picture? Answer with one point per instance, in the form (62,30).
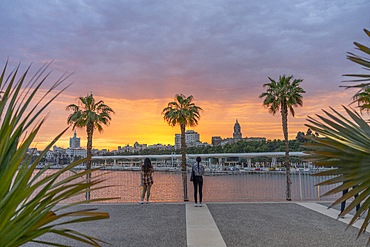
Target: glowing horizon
(135,120)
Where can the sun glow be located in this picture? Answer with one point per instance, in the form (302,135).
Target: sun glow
(142,121)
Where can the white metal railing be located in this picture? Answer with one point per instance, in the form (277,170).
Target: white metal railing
(218,187)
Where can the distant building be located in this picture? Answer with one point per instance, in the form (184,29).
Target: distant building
(216,140)
(161,146)
(74,142)
(259,139)
(139,147)
(49,155)
(76,152)
(58,150)
(237,135)
(75,149)
(104,151)
(32,151)
(192,139)
(125,149)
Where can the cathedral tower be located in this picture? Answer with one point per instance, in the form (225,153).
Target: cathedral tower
(237,135)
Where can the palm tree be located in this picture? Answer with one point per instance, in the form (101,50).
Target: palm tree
(182,111)
(91,115)
(30,199)
(282,96)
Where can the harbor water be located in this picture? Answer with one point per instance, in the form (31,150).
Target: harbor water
(227,187)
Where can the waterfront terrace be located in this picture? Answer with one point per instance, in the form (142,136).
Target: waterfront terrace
(308,224)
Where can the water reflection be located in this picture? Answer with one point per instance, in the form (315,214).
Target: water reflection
(246,187)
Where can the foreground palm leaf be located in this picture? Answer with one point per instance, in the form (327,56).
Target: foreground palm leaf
(28,201)
(344,145)
(362,97)
(363,60)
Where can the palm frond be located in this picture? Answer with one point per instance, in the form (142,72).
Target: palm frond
(364,61)
(344,144)
(28,198)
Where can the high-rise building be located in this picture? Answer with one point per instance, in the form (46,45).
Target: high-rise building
(192,139)
(237,135)
(74,142)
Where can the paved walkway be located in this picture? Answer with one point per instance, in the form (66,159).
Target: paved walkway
(332,213)
(220,224)
(201,229)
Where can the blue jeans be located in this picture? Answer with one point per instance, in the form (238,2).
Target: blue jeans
(343,204)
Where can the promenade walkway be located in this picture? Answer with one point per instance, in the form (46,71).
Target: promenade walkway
(221,224)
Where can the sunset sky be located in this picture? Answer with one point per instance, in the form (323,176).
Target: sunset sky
(136,55)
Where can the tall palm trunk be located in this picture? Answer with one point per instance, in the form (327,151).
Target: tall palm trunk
(90,132)
(183,163)
(284,117)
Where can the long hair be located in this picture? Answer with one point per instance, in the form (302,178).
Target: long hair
(147,165)
(198,159)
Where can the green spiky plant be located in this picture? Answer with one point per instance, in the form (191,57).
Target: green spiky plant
(362,97)
(29,198)
(344,144)
(363,60)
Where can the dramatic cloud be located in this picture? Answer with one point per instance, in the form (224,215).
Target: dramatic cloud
(220,51)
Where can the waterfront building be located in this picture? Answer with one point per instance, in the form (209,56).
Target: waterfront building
(76,152)
(74,142)
(192,139)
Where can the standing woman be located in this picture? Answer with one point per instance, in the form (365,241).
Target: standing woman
(146,179)
(198,170)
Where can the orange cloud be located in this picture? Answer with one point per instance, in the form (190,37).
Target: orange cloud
(142,121)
